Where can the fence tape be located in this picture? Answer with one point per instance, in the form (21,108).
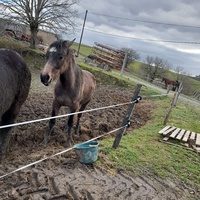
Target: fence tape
(59,153)
(66,115)
(66,150)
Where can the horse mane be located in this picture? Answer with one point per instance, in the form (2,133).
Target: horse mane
(72,52)
(57,44)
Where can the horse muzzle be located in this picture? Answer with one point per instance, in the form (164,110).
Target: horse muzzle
(45,79)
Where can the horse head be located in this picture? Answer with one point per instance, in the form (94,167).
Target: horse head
(163,79)
(57,57)
(177,84)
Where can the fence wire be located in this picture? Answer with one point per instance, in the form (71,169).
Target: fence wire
(66,115)
(66,150)
(59,153)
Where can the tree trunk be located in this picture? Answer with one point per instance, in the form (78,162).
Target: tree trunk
(151,79)
(34,31)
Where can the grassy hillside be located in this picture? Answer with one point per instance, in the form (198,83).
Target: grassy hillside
(141,149)
(84,49)
(189,84)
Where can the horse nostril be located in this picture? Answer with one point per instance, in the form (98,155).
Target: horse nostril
(44,79)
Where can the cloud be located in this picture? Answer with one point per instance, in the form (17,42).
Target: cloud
(126,19)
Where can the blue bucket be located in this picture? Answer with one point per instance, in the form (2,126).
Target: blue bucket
(87,152)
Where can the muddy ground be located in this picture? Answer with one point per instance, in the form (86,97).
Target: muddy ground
(64,177)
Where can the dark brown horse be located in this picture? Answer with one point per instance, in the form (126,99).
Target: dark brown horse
(15,80)
(74,88)
(167,82)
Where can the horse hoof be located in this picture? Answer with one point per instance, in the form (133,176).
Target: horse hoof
(45,140)
(67,145)
(1,158)
(42,141)
(76,135)
(66,128)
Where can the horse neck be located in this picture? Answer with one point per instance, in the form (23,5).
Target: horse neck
(71,77)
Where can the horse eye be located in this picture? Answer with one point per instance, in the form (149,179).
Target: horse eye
(61,57)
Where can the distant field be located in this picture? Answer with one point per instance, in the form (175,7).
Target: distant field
(84,49)
(189,85)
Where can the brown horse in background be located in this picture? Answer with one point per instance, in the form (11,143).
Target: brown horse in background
(167,82)
(74,88)
(15,81)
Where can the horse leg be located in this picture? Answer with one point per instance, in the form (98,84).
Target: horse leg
(55,109)
(7,118)
(79,116)
(173,88)
(70,125)
(68,128)
(4,137)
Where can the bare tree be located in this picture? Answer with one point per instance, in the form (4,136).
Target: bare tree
(54,15)
(155,67)
(197,77)
(132,56)
(178,70)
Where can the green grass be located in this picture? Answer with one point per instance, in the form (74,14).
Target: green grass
(141,149)
(135,67)
(84,49)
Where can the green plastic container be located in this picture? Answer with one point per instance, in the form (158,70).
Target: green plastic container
(87,153)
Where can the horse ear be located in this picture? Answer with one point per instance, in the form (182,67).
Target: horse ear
(69,43)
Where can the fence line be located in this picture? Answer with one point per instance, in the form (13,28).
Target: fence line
(66,150)
(66,115)
(59,153)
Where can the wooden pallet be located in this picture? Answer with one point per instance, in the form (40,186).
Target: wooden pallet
(188,138)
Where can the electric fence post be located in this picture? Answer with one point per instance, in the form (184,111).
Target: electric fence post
(126,122)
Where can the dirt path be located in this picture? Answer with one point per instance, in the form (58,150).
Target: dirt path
(73,180)
(63,177)
(182,97)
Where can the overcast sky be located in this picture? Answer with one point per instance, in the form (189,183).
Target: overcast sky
(132,24)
